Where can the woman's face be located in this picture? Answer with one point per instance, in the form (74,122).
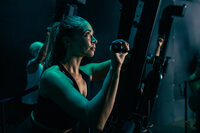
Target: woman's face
(84,43)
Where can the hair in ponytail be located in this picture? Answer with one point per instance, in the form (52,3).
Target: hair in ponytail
(67,27)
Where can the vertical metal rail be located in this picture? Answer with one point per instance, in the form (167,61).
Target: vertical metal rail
(137,21)
(186,109)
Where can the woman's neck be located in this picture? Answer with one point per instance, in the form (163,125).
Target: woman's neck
(72,65)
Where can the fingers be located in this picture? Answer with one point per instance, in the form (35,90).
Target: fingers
(160,41)
(119,49)
(126,44)
(120,46)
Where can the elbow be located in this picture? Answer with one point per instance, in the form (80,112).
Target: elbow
(96,123)
(100,127)
(97,126)
(100,124)
(95,119)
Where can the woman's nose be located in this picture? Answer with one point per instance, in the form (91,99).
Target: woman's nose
(94,40)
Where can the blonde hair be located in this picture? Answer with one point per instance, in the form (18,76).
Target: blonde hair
(67,27)
(35,48)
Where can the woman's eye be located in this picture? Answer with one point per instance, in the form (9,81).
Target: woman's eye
(86,34)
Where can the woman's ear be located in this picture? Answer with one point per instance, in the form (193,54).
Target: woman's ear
(66,40)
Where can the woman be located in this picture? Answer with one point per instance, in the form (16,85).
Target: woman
(34,68)
(62,99)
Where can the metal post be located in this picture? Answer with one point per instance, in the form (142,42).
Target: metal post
(186,117)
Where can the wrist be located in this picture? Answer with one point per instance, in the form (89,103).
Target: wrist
(115,70)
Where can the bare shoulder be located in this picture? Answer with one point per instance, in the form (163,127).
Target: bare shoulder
(53,80)
(54,73)
(55,85)
(51,73)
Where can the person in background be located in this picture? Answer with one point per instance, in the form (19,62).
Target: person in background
(34,69)
(62,104)
(147,97)
(194,99)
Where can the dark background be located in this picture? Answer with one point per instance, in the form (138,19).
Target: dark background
(24,21)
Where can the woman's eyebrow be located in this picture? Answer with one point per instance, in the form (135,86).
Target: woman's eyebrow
(87,29)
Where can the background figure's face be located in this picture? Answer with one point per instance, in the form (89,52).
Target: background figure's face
(84,43)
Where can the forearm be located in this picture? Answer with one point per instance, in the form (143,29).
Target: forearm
(33,65)
(159,45)
(151,59)
(43,51)
(100,107)
(102,104)
(157,53)
(100,70)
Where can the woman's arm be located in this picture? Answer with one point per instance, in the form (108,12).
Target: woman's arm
(32,65)
(102,104)
(56,86)
(97,71)
(151,59)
